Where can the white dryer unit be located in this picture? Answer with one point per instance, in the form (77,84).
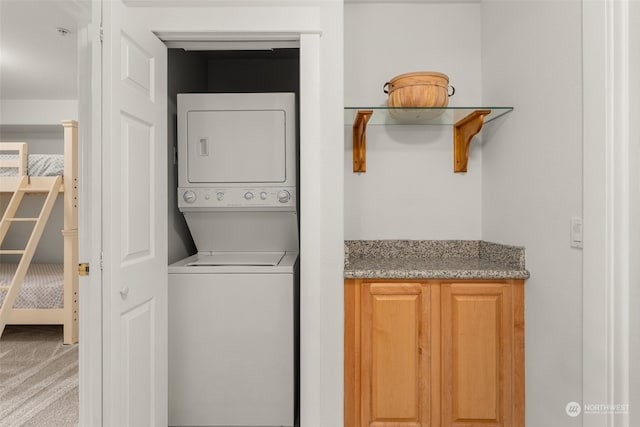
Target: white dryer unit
(236,141)
(232,310)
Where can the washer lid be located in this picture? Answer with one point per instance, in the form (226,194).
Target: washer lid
(238,258)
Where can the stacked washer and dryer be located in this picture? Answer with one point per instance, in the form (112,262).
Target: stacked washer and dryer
(232,305)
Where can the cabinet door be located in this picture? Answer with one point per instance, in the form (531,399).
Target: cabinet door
(476,355)
(395,354)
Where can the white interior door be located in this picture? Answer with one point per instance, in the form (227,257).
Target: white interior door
(134,135)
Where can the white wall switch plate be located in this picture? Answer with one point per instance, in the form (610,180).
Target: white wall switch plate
(576,232)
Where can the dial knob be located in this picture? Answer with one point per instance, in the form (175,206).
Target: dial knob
(263,195)
(248,195)
(219,195)
(189,196)
(284,196)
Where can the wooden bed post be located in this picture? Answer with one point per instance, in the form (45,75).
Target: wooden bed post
(70,231)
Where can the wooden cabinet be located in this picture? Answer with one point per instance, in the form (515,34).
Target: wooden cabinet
(394,359)
(434,353)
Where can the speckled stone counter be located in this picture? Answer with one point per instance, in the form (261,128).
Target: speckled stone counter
(433,259)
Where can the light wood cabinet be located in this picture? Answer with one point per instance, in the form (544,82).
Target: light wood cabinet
(434,353)
(394,355)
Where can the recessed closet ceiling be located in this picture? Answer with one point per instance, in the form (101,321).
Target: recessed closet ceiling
(36,61)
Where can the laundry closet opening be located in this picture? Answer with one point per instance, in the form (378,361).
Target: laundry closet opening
(233,236)
(222,71)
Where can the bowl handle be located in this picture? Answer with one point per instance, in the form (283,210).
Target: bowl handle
(453,90)
(384,88)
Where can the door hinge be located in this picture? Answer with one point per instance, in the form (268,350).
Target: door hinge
(101,34)
(83,269)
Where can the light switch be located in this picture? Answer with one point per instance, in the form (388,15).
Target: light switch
(576,232)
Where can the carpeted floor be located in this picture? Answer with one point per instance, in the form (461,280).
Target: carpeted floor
(38,378)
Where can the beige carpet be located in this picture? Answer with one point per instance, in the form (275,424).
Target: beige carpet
(38,378)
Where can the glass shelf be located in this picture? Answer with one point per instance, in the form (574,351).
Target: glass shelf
(421,116)
(466,122)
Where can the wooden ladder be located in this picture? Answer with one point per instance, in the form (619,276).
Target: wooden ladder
(51,188)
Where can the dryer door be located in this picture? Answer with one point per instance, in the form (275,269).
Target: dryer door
(236,146)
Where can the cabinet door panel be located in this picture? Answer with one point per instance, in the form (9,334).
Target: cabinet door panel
(394,355)
(476,362)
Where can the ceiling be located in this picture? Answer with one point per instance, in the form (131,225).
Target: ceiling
(36,61)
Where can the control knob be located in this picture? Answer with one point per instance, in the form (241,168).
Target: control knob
(284,196)
(248,195)
(189,196)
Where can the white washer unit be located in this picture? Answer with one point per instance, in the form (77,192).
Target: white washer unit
(232,305)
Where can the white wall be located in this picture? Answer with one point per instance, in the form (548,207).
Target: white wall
(409,189)
(532,184)
(37,112)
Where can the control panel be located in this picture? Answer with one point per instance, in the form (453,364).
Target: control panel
(236,197)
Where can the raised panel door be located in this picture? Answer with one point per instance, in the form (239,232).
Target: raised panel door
(476,343)
(134,218)
(395,355)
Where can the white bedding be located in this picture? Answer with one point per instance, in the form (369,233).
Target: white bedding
(37,164)
(42,287)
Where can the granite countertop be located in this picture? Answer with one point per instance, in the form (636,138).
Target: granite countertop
(433,259)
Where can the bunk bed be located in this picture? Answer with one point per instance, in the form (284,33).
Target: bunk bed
(25,285)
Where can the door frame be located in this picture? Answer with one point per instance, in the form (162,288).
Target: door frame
(90,218)
(609,207)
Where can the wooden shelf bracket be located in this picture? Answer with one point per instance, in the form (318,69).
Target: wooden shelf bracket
(360,140)
(463,131)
